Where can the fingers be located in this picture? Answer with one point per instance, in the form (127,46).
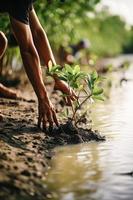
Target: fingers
(44,122)
(39,118)
(55,119)
(50,119)
(47,118)
(69,103)
(74,95)
(65,88)
(71,97)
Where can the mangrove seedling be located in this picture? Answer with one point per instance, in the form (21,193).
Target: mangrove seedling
(86,86)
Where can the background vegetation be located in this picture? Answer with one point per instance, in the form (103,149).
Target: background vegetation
(67,21)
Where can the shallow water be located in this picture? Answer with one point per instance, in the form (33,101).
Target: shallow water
(94,171)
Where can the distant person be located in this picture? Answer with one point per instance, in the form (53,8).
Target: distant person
(34,45)
(71,53)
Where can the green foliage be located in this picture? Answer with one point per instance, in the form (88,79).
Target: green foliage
(4,23)
(72,75)
(52,70)
(81,82)
(61,19)
(67,22)
(128,45)
(108,34)
(93,84)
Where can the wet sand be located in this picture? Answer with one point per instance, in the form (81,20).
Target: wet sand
(26,150)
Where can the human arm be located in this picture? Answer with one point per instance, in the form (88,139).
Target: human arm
(31,63)
(46,54)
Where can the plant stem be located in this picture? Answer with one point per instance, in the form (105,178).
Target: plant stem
(82,96)
(80,117)
(73,111)
(76,109)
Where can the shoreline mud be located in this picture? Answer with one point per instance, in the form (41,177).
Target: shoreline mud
(26,150)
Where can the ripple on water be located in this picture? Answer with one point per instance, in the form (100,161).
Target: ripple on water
(94,171)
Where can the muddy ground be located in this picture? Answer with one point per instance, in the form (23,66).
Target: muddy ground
(26,151)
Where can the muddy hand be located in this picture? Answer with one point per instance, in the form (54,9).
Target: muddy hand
(46,114)
(63,87)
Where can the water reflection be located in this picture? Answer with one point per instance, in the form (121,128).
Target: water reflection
(71,176)
(92,171)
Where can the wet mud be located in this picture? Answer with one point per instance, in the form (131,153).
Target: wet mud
(26,151)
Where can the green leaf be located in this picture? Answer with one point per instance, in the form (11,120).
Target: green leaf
(100,79)
(68,68)
(67,112)
(97,91)
(99,97)
(75,85)
(94,75)
(56,69)
(63,77)
(76,69)
(80,87)
(50,65)
(90,83)
(80,75)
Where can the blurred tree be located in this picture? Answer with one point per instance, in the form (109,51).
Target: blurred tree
(60,18)
(66,22)
(4,23)
(128,45)
(109,36)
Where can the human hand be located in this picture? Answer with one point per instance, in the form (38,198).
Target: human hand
(63,87)
(46,114)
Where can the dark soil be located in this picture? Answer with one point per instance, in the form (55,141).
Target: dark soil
(67,133)
(26,150)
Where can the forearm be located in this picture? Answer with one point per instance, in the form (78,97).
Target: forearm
(45,52)
(43,47)
(40,40)
(32,66)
